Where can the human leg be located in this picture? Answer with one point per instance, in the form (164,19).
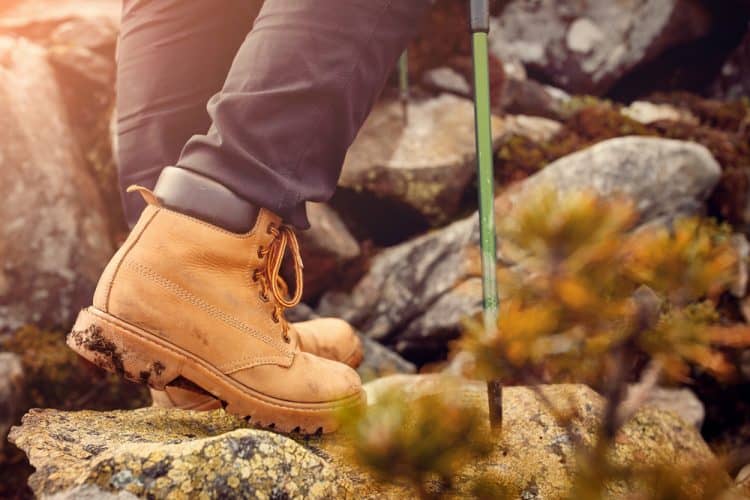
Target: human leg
(173,55)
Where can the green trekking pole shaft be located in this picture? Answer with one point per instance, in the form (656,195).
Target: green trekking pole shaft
(479,18)
(485,173)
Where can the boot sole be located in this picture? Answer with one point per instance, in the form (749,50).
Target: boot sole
(143,357)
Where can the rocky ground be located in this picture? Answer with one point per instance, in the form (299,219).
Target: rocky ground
(647,98)
(177,454)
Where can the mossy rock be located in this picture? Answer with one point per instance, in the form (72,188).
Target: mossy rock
(723,128)
(161,453)
(57,377)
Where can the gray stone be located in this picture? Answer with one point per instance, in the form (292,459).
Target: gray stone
(742,247)
(80,37)
(682,402)
(529,97)
(743,480)
(585,47)
(445,79)
(416,295)
(664,177)
(647,112)
(327,247)
(54,241)
(424,166)
(534,128)
(409,284)
(36,14)
(12,385)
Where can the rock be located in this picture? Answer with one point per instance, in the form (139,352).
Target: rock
(327,247)
(54,241)
(89,492)
(742,247)
(417,294)
(12,385)
(529,97)
(36,15)
(521,95)
(409,285)
(417,173)
(733,81)
(648,112)
(445,79)
(80,39)
(682,402)
(664,177)
(534,128)
(156,452)
(380,361)
(586,47)
(743,480)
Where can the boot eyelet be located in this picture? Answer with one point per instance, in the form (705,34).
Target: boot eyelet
(275,316)
(261,252)
(287,338)
(270,228)
(256,275)
(264,297)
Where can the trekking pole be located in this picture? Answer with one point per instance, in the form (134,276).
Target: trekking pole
(479,16)
(403,84)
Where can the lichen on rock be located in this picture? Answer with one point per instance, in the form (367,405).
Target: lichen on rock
(169,453)
(160,453)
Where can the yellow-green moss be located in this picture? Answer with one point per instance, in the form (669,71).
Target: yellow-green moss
(57,377)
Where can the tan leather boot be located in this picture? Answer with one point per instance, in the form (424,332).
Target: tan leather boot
(186,303)
(330,338)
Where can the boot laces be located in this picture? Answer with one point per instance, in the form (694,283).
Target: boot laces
(271,280)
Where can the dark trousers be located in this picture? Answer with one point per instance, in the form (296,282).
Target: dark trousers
(264,99)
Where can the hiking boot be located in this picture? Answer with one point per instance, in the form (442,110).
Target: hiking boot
(189,304)
(330,338)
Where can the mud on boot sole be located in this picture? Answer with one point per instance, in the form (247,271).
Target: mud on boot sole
(140,356)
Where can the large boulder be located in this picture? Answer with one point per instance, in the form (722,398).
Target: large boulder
(36,14)
(12,386)
(54,240)
(585,47)
(417,294)
(160,453)
(327,247)
(156,453)
(664,177)
(80,37)
(398,177)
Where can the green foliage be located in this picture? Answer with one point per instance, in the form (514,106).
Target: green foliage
(588,299)
(572,302)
